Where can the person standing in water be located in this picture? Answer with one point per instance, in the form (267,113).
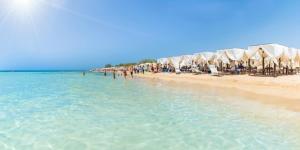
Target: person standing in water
(104,72)
(114,74)
(131,71)
(83,73)
(125,73)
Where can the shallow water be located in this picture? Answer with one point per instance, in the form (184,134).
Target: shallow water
(68,111)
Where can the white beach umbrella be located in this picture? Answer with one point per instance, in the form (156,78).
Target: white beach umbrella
(248,55)
(199,58)
(175,61)
(208,55)
(169,60)
(162,61)
(297,58)
(293,53)
(273,52)
(294,57)
(204,57)
(248,58)
(236,54)
(220,56)
(187,60)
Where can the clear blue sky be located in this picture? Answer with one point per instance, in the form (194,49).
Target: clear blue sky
(81,34)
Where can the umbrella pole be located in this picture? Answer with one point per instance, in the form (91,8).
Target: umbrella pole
(221,66)
(269,69)
(249,66)
(263,65)
(274,69)
(279,65)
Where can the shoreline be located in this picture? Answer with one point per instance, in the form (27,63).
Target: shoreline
(283,91)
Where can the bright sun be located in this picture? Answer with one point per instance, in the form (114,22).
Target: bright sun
(24,6)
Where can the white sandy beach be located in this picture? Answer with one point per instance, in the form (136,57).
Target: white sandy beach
(283,91)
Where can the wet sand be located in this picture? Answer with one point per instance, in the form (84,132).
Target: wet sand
(283,91)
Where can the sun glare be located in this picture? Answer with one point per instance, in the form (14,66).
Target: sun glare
(23,6)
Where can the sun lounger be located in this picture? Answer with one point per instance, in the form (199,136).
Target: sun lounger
(213,70)
(196,71)
(177,71)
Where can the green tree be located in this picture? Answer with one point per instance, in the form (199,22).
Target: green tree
(125,64)
(108,66)
(147,61)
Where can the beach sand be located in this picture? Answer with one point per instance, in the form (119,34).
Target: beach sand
(283,91)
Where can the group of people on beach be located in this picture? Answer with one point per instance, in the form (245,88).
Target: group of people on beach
(125,72)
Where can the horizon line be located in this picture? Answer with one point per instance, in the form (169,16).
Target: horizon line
(45,70)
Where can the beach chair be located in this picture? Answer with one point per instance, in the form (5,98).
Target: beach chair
(213,70)
(196,71)
(177,71)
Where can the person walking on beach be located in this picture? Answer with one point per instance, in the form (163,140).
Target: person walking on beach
(143,70)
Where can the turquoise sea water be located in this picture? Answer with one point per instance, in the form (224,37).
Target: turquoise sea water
(57,110)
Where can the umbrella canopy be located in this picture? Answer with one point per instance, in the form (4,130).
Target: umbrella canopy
(273,52)
(297,58)
(235,54)
(220,56)
(203,57)
(187,60)
(175,61)
(208,55)
(199,58)
(294,57)
(162,61)
(294,53)
(247,55)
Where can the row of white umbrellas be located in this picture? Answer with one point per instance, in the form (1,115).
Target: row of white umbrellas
(255,55)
